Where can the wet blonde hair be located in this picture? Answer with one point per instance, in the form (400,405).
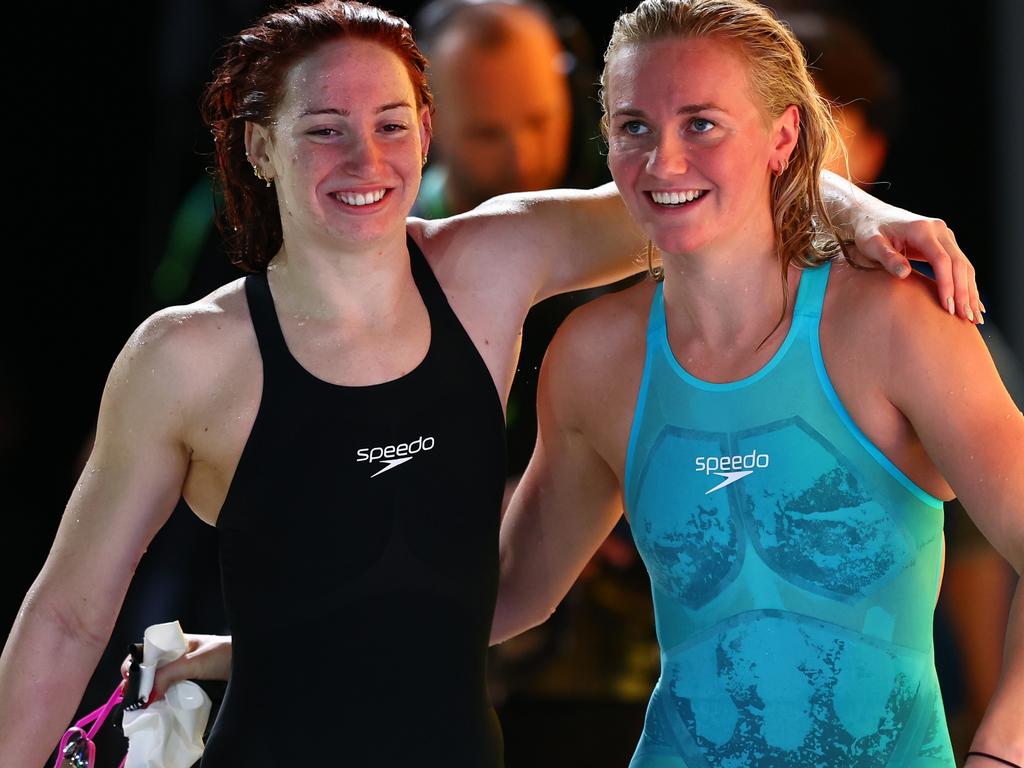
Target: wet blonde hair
(804,232)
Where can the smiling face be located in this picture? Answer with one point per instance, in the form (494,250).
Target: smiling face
(689,147)
(346,144)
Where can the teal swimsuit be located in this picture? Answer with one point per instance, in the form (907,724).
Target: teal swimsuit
(794,569)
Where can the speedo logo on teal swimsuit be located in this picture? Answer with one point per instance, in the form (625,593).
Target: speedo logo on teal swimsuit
(732,468)
(393,455)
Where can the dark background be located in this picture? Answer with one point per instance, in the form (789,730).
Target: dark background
(105,139)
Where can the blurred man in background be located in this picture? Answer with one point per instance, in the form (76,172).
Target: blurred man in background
(501,74)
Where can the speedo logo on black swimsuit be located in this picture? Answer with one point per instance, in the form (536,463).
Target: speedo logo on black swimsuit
(393,455)
(732,468)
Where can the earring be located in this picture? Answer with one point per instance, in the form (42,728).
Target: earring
(783,165)
(658,273)
(259,175)
(424,158)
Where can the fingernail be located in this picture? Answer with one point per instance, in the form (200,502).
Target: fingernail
(981,319)
(980,304)
(969,312)
(902,270)
(951,305)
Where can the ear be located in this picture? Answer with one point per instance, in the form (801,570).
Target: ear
(426,130)
(785,134)
(258,144)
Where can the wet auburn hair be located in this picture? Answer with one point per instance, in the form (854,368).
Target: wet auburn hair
(248,85)
(778,75)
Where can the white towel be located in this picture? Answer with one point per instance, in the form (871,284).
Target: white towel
(168,733)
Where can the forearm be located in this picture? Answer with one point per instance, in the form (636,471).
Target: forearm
(846,202)
(565,239)
(529,585)
(604,243)
(46,665)
(518,610)
(1001,731)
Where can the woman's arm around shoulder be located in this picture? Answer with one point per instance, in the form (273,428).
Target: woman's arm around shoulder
(533,245)
(538,244)
(126,492)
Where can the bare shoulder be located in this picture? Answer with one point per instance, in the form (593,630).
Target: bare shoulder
(481,238)
(181,348)
(596,358)
(871,306)
(179,329)
(593,335)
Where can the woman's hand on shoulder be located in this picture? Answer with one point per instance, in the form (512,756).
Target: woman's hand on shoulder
(900,236)
(892,237)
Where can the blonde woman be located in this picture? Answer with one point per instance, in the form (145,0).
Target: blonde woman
(775,423)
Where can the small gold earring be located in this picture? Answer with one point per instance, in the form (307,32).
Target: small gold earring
(259,175)
(658,273)
(424,158)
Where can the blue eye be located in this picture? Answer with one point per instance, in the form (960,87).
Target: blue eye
(700,125)
(633,128)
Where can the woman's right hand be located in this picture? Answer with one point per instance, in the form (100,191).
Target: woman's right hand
(208,658)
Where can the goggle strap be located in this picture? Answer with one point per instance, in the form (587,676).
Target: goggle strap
(97,718)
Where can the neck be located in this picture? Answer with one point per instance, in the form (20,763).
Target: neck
(727,298)
(324,281)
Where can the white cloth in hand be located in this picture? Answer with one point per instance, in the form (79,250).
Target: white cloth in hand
(169,732)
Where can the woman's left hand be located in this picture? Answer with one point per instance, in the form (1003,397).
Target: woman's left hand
(892,236)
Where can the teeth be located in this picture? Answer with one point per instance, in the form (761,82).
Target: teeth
(675,198)
(355,198)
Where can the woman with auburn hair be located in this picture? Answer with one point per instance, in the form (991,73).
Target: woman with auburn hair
(781,436)
(337,415)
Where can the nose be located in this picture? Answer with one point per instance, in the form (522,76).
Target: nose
(669,157)
(363,155)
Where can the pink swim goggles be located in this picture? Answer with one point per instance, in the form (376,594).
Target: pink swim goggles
(76,748)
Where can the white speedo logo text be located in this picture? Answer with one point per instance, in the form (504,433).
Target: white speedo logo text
(393,455)
(732,468)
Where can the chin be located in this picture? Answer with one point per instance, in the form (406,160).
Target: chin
(677,242)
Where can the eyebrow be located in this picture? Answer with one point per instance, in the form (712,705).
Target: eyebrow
(688,109)
(346,113)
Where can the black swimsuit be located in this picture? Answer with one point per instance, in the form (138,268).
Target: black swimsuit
(359,559)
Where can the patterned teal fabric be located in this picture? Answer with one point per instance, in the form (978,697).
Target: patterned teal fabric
(794,569)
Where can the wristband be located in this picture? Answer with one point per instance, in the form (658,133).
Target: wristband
(993,757)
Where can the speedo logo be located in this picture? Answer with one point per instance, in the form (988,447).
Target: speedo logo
(732,468)
(393,455)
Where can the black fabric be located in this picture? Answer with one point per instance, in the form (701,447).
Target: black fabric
(360,606)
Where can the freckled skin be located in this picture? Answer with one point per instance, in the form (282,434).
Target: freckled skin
(673,151)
